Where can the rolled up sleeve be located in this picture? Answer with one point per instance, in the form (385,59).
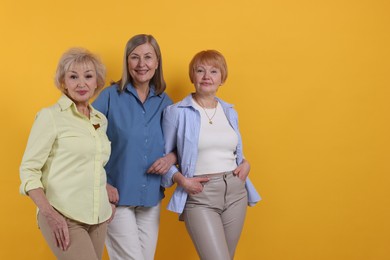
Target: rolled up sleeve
(39,146)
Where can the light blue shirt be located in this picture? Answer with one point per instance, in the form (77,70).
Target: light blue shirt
(181,126)
(134,129)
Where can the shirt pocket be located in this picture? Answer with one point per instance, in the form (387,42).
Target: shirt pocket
(75,142)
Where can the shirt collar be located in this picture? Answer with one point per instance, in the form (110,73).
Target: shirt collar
(129,87)
(66,103)
(187,102)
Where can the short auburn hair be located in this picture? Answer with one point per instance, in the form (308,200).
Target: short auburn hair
(209,57)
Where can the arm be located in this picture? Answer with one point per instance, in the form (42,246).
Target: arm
(40,142)
(39,145)
(170,135)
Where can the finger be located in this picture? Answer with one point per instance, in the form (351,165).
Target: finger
(203,179)
(237,170)
(66,237)
(113,196)
(60,243)
(55,237)
(154,168)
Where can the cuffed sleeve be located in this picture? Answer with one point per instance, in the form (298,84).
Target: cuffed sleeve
(39,146)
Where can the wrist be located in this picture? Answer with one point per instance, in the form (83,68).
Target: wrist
(178,178)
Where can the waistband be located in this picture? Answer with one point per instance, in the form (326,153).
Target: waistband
(216,175)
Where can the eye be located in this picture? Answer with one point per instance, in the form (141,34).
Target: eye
(73,77)
(148,57)
(134,57)
(199,70)
(89,76)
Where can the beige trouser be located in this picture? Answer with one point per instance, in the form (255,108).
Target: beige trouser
(86,241)
(215,217)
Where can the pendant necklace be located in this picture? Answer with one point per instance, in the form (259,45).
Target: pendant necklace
(210,118)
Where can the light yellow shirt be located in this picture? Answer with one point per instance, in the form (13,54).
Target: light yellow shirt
(65,156)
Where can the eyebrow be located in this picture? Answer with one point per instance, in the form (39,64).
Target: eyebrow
(138,54)
(72,71)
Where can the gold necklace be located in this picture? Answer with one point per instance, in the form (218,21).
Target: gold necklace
(210,118)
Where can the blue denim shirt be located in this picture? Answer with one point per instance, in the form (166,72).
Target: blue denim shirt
(181,126)
(134,129)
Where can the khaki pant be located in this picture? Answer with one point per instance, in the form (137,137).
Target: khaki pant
(215,217)
(86,241)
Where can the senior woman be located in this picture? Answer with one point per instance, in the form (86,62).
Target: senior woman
(62,169)
(212,185)
(134,106)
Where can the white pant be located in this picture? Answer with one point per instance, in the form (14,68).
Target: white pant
(133,233)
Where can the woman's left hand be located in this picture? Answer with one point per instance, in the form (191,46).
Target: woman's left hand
(162,165)
(242,170)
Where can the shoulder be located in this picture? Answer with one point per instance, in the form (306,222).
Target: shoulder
(173,110)
(229,109)
(165,99)
(113,89)
(49,111)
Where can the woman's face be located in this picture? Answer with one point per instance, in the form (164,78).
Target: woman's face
(207,79)
(80,82)
(142,63)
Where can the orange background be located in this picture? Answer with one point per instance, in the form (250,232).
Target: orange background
(310,81)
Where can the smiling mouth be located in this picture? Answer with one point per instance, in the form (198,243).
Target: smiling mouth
(82,92)
(142,72)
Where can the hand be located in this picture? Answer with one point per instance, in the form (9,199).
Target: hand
(59,228)
(55,220)
(112,192)
(242,170)
(113,207)
(194,185)
(162,165)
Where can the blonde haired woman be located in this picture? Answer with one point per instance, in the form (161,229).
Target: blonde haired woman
(62,169)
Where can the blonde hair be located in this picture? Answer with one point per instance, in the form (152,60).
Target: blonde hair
(79,56)
(158,77)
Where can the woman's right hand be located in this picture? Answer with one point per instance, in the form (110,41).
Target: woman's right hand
(55,220)
(191,185)
(59,228)
(113,194)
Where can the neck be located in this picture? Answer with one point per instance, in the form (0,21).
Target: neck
(205,101)
(142,91)
(83,109)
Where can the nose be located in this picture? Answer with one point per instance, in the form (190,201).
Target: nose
(81,83)
(141,62)
(206,75)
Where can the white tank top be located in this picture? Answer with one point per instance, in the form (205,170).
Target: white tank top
(217,142)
